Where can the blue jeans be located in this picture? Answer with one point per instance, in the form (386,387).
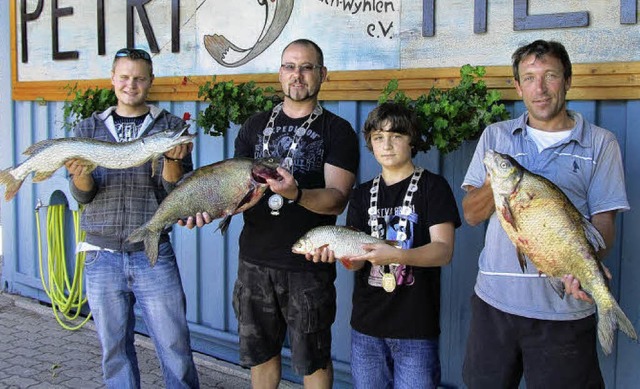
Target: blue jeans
(117,280)
(381,363)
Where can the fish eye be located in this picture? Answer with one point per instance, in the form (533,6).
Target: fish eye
(504,164)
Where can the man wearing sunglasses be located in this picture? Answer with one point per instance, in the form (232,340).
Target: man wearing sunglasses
(118,273)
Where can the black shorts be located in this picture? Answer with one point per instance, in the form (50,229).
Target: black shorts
(267,301)
(551,354)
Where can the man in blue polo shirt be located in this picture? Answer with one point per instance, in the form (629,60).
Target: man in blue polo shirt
(519,325)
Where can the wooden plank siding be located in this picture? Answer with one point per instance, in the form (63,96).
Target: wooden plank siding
(208,260)
(604,81)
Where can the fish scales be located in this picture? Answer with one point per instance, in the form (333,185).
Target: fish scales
(47,156)
(345,242)
(547,228)
(222,189)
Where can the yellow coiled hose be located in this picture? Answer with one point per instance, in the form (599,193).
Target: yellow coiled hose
(66,298)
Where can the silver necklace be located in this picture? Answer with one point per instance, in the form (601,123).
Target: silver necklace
(388,276)
(276,201)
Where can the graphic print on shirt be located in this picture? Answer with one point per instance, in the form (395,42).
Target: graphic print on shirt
(390,220)
(308,155)
(127,130)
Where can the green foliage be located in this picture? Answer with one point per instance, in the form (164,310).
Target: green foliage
(80,104)
(230,103)
(449,117)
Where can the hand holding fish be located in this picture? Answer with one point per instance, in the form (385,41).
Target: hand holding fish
(80,171)
(378,254)
(200,220)
(79,167)
(179,152)
(286,186)
(572,286)
(321,254)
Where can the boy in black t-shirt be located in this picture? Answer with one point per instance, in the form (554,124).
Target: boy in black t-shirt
(396,297)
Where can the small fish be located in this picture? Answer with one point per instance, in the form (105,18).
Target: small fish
(47,156)
(222,189)
(547,228)
(345,242)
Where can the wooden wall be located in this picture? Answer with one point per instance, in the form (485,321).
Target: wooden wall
(208,260)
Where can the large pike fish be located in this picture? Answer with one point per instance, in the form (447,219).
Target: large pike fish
(547,228)
(47,156)
(222,189)
(345,242)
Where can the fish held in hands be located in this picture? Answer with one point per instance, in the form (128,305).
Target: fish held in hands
(47,156)
(222,189)
(345,242)
(548,229)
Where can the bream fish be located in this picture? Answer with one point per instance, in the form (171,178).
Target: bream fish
(547,228)
(47,156)
(222,189)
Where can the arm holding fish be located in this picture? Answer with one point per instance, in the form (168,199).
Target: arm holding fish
(172,167)
(82,184)
(605,224)
(436,253)
(478,204)
(330,200)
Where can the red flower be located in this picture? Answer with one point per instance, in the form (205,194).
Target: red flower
(186,116)
(184,80)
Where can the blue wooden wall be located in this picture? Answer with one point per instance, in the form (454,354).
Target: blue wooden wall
(208,260)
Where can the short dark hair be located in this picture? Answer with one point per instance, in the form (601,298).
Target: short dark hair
(401,120)
(308,43)
(133,54)
(541,48)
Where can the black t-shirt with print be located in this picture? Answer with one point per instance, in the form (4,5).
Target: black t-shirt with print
(267,239)
(412,310)
(128,128)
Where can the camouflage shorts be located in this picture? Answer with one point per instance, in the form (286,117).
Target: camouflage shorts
(267,301)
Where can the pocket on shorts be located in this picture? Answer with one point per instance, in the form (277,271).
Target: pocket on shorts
(235,301)
(318,309)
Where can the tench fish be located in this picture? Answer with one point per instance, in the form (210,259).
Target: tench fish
(222,189)
(47,156)
(346,242)
(547,228)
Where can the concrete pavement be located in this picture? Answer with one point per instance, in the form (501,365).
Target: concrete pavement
(36,352)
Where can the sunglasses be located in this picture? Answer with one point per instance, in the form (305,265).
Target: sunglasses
(133,54)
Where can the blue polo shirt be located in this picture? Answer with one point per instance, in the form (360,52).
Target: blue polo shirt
(587,166)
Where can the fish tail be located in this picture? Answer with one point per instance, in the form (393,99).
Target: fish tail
(151,242)
(150,239)
(11,184)
(608,321)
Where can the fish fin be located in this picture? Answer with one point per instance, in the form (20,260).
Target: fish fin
(522,259)
(11,184)
(41,176)
(154,166)
(151,241)
(224,224)
(557,285)
(507,214)
(39,146)
(608,320)
(138,234)
(593,235)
